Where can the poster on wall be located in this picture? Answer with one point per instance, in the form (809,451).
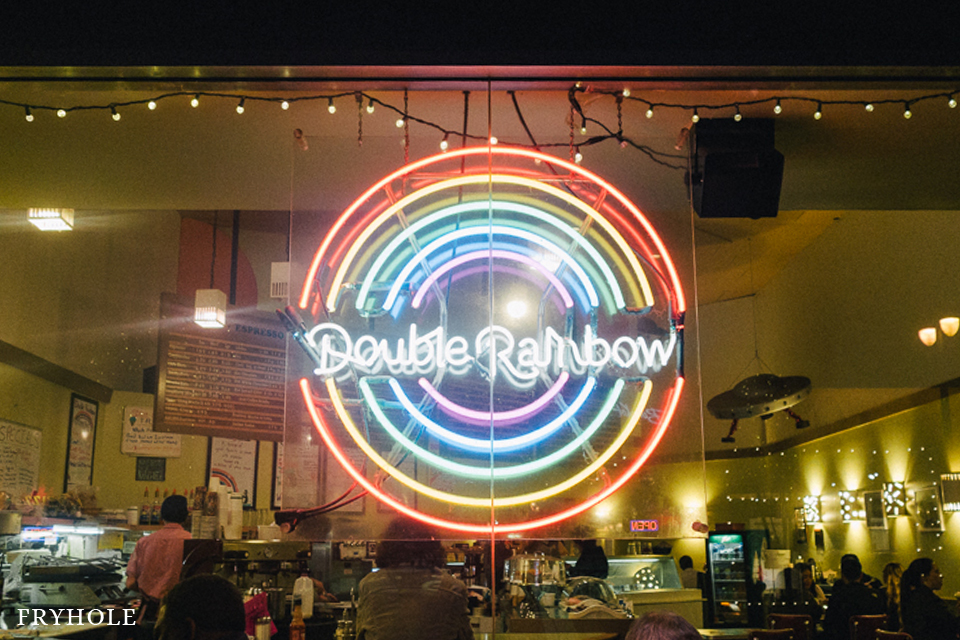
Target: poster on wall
(81,438)
(19,458)
(139,438)
(301,464)
(234,464)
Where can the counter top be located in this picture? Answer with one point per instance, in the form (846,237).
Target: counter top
(539,636)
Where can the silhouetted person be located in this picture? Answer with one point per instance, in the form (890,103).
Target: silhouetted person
(925,616)
(203,607)
(592,560)
(850,597)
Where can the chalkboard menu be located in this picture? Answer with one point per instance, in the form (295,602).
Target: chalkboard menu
(225,382)
(19,458)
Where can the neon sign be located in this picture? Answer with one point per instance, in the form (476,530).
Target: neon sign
(499,332)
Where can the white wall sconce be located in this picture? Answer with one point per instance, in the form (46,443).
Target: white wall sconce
(894,499)
(948,326)
(811,509)
(51,219)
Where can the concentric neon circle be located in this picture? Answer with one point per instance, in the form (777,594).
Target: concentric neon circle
(499,333)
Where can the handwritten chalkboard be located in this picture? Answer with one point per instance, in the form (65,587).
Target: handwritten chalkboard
(19,458)
(151,469)
(234,464)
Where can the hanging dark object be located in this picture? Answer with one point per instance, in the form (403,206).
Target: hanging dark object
(760,395)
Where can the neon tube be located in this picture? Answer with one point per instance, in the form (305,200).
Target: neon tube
(480,444)
(482,255)
(472,416)
(401,277)
(334,290)
(497,205)
(528,525)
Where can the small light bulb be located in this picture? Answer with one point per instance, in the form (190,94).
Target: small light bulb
(623,144)
(61,113)
(819,112)
(370,107)
(493,140)
(28,116)
(738,116)
(332,108)
(696,117)
(152,105)
(868,107)
(777,108)
(626,92)
(400,123)
(444,144)
(907,114)
(578,158)
(284,105)
(650,112)
(196,101)
(583,129)
(240,105)
(952,102)
(114,114)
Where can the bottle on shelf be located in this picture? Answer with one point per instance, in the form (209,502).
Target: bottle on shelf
(303,589)
(146,511)
(155,512)
(298,628)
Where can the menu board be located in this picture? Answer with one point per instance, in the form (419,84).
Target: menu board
(225,382)
(19,458)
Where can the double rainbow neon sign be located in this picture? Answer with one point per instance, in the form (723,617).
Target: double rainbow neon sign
(499,333)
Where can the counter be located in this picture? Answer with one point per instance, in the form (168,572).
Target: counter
(686,602)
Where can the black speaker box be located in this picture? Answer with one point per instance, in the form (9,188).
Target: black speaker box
(735,170)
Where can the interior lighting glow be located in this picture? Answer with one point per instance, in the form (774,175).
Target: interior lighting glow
(400,123)
(284,105)
(952,102)
(649,113)
(819,112)
(332,108)
(28,116)
(240,105)
(928,336)
(370,107)
(868,107)
(778,108)
(195,101)
(152,105)
(114,114)
(695,118)
(949,326)
(894,499)
(51,219)
(517,308)
(906,110)
(210,308)
(811,509)
(61,113)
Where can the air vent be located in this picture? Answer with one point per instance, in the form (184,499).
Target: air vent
(279,280)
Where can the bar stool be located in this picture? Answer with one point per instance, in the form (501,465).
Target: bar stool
(801,624)
(864,627)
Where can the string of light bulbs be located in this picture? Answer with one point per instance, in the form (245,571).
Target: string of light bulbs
(405,117)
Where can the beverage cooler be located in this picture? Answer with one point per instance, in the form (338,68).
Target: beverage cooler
(735,575)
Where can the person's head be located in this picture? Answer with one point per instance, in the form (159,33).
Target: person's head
(174,509)
(850,568)
(891,573)
(409,542)
(686,562)
(202,607)
(921,572)
(662,625)
(806,574)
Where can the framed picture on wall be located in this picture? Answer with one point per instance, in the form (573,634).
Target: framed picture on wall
(876,514)
(81,438)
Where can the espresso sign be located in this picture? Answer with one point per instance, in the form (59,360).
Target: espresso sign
(505,320)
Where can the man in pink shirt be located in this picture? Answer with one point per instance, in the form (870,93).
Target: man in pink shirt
(155,564)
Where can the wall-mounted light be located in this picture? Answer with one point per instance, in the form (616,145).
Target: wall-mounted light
(894,499)
(51,219)
(850,507)
(811,509)
(950,491)
(948,326)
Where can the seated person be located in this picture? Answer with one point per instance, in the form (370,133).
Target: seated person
(410,596)
(203,607)
(850,597)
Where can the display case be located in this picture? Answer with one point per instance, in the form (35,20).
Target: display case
(652,582)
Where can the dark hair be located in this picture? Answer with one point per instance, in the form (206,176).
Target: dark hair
(662,625)
(686,562)
(850,567)
(914,574)
(409,542)
(174,509)
(212,602)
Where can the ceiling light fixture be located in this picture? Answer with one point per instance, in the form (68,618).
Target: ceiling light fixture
(210,305)
(51,219)
(948,326)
